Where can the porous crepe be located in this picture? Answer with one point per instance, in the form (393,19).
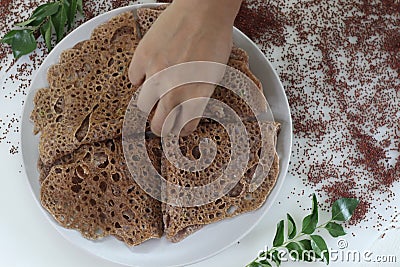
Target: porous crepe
(94,193)
(179,222)
(147,16)
(85,182)
(88,92)
(83,58)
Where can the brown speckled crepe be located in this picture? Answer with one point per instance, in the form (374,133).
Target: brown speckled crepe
(86,185)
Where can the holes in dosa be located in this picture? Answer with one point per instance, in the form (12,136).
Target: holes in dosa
(116,191)
(196,152)
(59,105)
(100,159)
(59,118)
(76,180)
(248,176)
(88,157)
(110,62)
(92,202)
(76,188)
(102,217)
(116,177)
(130,190)
(103,186)
(83,129)
(111,145)
(128,215)
(82,171)
(236,191)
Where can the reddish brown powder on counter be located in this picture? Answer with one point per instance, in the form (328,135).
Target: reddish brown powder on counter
(119,3)
(258,20)
(319,172)
(94,8)
(261,21)
(5,9)
(365,100)
(347,190)
(339,63)
(392,46)
(360,213)
(4,13)
(89,10)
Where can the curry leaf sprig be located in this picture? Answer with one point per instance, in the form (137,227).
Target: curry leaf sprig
(306,245)
(46,19)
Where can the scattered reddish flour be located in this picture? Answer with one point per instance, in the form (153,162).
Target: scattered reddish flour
(339,62)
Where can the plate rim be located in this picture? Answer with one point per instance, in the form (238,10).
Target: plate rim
(283,168)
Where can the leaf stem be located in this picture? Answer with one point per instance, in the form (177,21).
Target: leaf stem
(294,239)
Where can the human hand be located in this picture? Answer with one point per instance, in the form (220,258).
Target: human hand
(188,30)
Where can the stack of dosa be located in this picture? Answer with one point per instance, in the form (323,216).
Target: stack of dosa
(85,182)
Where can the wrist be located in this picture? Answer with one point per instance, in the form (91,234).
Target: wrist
(223,10)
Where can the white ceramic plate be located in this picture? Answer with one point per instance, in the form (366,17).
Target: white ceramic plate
(210,240)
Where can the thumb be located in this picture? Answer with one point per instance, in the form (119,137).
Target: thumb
(163,109)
